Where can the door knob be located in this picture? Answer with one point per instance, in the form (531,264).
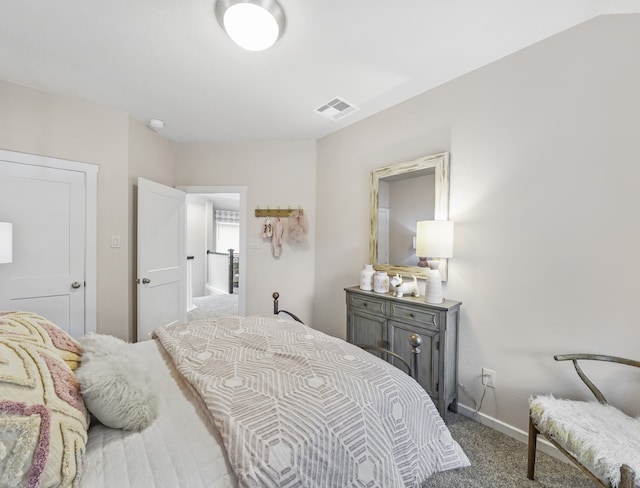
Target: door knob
(146,281)
(75,284)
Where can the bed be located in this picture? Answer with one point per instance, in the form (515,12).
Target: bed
(234,401)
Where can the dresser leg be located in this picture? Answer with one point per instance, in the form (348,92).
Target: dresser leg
(454,406)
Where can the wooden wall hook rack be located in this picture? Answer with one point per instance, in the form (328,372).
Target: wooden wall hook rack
(275,212)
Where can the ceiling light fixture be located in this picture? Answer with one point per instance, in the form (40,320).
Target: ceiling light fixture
(254,25)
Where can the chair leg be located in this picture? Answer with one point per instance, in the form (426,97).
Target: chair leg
(627,477)
(531,456)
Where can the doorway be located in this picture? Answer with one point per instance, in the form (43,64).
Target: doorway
(215,238)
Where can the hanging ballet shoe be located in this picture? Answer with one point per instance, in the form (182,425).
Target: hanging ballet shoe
(269,228)
(266,228)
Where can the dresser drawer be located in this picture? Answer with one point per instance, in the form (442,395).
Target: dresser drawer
(415,315)
(367,304)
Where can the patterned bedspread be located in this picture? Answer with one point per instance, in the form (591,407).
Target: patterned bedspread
(297,407)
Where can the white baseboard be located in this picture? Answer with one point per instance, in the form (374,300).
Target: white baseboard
(214,291)
(519,435)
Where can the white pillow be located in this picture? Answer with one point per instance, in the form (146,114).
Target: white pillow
(101,345)
(115,386)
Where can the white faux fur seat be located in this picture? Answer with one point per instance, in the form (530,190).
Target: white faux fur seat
(600,437)
(601,440)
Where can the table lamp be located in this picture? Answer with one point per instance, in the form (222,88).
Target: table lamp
(6,242)
(434,239)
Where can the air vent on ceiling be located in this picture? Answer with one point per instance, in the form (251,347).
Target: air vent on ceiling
(336,109)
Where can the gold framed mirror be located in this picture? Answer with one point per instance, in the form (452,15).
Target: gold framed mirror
(401,195)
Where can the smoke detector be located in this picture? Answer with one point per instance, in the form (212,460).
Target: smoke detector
(336,109)
(156,124)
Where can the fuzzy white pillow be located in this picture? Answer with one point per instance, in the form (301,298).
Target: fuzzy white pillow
(94,345)
(114,384)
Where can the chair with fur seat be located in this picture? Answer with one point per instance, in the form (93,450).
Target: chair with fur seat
(601,440)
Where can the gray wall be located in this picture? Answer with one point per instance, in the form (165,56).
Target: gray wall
(36,122)
(276,174)
(544,192)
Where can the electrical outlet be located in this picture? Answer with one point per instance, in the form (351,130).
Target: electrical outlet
(489,377)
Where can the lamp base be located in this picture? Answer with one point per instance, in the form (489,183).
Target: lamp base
(433,289)
(422,262)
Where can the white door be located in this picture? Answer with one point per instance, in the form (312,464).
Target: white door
(47,207)
(161,257)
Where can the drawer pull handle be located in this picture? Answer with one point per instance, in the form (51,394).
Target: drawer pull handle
(411,315)
(365,304)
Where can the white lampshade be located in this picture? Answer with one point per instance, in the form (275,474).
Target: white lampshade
(254,25)
(6,242)
(434,239)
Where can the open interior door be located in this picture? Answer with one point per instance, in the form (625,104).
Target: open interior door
(161,257)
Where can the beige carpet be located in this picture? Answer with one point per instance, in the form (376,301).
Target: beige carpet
(499,461)
(213,306)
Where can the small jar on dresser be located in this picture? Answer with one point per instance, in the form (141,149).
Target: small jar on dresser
(388,322)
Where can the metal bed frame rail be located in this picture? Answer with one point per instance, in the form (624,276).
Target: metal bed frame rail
(415,340)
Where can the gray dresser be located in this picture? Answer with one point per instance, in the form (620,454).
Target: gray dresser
(386,321)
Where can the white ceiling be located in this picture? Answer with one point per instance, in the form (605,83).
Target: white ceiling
(169,59)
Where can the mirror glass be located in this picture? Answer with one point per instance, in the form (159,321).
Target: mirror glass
(401,195)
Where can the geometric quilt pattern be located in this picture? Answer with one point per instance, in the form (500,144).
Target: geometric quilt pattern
(297,407)
(43,421)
